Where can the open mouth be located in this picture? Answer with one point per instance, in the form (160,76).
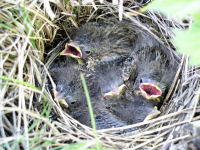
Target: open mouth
(71,50)
(150,91)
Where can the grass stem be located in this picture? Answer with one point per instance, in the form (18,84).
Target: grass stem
(90,110)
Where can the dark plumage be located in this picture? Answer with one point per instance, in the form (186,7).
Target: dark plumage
(110,80)
(102,47)
(113,44)
(155,74)
(150,69)
(66,76)
(133,109)
(69,87)
(102,41)
(114,56)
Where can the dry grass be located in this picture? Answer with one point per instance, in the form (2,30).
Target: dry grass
(26,104)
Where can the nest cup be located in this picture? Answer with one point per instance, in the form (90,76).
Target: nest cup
(27,109)
(173,114)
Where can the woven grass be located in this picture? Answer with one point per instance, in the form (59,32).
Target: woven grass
(28,30)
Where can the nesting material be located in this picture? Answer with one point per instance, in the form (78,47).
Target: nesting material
(28,110)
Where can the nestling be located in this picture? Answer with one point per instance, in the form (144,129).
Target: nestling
(155,74)
(101,42)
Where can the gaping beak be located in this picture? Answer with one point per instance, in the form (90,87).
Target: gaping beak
(150,91)
(72,51)
(116,92)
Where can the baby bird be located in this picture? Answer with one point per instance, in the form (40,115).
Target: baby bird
(66,76)
(69,88)
(101,42)
(155,74)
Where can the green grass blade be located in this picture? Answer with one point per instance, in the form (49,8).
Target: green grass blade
(7,27)
(19,82)
(90,110)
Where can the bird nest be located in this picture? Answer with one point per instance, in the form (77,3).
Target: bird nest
(32,118)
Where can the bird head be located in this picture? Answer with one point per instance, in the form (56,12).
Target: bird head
(67,94)
(68,88)
(76,50)
(154,76)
